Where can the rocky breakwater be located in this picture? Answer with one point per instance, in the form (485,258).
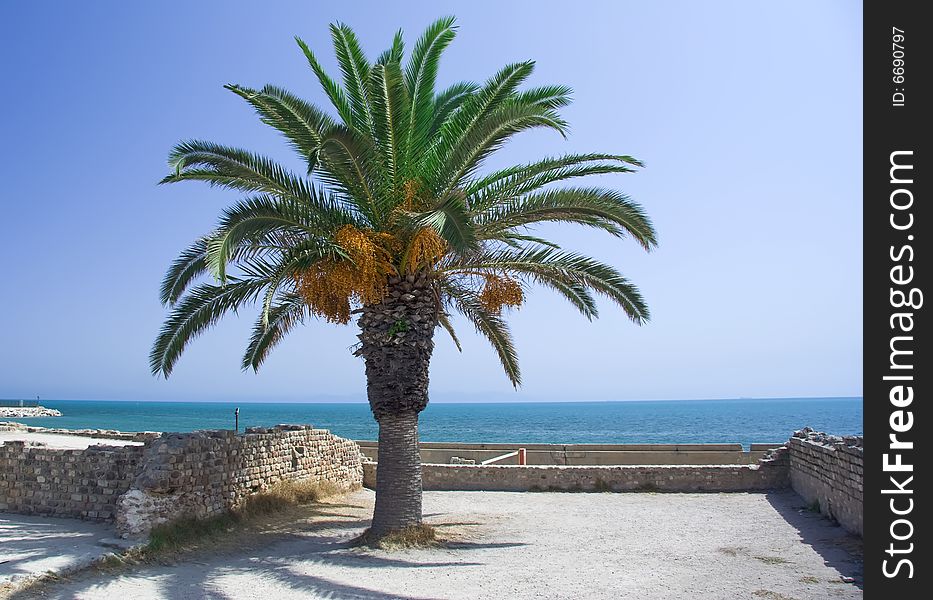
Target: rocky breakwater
(26,412)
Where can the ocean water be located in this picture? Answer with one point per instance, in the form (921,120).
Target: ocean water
(742,421)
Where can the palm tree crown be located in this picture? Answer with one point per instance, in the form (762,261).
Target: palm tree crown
(393,190)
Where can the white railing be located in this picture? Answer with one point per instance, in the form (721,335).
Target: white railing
(520,453)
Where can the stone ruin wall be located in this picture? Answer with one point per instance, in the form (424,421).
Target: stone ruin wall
(177,475)
(35,480)
(769,473)
(826,470)
(204,474)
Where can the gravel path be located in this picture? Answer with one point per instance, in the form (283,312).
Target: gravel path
(526,545)
(30,546)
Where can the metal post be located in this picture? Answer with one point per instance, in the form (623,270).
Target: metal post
(236,419)
(521,456)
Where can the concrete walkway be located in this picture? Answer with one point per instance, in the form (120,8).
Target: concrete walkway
(34,546)
(520,546)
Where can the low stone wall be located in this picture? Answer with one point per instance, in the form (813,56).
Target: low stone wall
(827,470)
(66,483)
(175,475)
(587,454)
(107,434)
(770,473)
(203,474)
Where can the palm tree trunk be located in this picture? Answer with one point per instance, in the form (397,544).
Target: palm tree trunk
(398,475)
(397,339)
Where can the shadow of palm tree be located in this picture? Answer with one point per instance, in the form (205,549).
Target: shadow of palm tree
(462,545)
(331,589)
(282,561)
(293,554)
(26,542)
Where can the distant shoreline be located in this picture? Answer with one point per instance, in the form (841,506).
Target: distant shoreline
(27,412)
(672,422)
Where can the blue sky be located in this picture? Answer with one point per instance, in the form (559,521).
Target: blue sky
(747,115)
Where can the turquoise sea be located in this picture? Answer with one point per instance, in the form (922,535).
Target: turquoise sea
(670,421)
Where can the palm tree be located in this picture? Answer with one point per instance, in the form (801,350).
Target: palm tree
(394,222)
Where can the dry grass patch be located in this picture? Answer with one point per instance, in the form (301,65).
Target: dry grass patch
(771,595)
(186,533)
(416,536)
(647,487)
(809,579)
(283,496)
(601,486)
(254,512)
(772,560)
(6,589)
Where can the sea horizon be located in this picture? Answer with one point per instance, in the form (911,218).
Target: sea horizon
(356,399)
(734,420)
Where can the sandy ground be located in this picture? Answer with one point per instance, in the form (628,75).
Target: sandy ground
(55,440)
(523,545)
(31,546)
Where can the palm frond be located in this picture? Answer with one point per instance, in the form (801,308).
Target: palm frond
(254,219)
(522,179)
(471,113)
(451,219)
(490,325)
(607,209)
(390,111)
(334,92)
(420,77)
(301,123)
(395,53)
(268,331)
(566,267)
(443,320)
(296,258)
(548,96)
(186,268)
(448,101)
(201,308)
(572,291)
(492,132)
(355,69)
(233,168)
(347,163)
(515,240)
